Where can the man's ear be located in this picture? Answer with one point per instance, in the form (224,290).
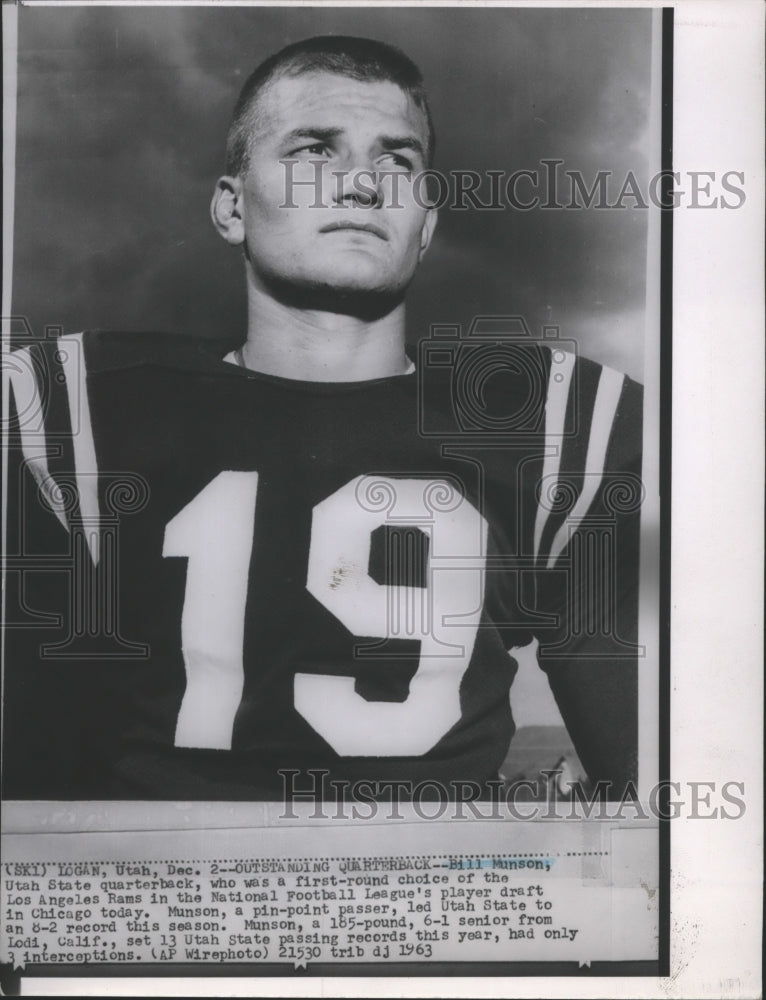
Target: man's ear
(429,225)
(226,210)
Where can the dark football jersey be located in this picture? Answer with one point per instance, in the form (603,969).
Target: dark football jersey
(263,575)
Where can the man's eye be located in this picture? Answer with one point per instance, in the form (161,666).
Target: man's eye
(314,149)
(398,160)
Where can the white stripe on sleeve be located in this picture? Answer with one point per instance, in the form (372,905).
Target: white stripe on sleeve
(20,368)
(607,400)
(559,380)
(86,471)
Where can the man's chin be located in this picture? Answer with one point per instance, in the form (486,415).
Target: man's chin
(349,296)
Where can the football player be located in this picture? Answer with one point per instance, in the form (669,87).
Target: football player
(312,555)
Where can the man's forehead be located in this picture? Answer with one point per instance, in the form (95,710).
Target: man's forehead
(329,99)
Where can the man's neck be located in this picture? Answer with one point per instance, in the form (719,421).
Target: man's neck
(320,345)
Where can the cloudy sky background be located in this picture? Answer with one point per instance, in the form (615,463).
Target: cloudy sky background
(122,117)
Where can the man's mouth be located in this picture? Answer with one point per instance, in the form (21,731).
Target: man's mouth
(360,227)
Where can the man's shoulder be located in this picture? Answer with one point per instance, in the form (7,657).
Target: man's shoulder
(114,350)
(102,351)
(604,412)
(526,383)
(590,370)
(597,381)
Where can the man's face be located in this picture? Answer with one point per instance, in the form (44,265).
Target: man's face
(327,198)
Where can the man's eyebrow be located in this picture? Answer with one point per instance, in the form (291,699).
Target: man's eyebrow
(390,142)
(327,134)
(321,134)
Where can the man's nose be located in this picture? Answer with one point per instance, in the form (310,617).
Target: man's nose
(358,183)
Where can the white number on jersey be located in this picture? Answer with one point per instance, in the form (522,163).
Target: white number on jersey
(215,532)
(444,616)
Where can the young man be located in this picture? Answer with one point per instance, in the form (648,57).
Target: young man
(309,556)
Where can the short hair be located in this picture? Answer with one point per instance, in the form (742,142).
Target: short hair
(345,55)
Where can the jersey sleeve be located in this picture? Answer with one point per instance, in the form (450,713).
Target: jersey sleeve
(39,424)
(68,671)
(587,547)
(55,727)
